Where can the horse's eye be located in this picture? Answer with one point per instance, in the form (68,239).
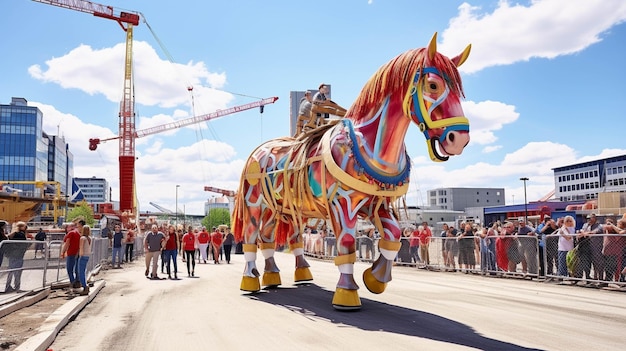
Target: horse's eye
(433,86)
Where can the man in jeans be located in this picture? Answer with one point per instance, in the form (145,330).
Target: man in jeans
(71,243)
(152,245)
(117,246)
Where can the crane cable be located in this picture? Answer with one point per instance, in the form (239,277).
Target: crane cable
(199,134)
(171,59)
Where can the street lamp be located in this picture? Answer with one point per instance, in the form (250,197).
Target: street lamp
(524,179)
(176,209)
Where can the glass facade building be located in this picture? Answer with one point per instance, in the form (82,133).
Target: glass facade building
(27,153)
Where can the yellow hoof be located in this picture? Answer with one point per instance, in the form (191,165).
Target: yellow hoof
(250,284)
(371,283)
(302,275)
(271,279)
(346,300)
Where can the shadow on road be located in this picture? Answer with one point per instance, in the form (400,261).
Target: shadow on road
(314,302)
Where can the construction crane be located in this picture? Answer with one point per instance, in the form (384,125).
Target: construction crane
(93,143)
(127,133)
(230,195)
(161,208)
(126,20)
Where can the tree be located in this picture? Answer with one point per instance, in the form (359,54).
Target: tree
(82,210)
(216,217)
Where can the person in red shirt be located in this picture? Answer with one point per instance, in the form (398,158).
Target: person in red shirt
(216,243)
(130,243)
(189,245)
(425,235)
(171,251)
(414,245)
(71,245)
(203,243)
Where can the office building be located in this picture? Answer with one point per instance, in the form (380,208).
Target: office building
(457,199)
(95,190)
(585,180)
(27,153)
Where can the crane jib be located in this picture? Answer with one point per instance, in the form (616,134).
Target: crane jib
(203,118)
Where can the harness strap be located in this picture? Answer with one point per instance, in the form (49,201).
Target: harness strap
(352,182)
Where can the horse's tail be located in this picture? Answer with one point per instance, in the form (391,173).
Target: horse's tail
(239,213)
(283,230)
(237,219)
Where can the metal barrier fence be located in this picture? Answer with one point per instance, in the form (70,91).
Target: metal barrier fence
(29,265)
(601,260)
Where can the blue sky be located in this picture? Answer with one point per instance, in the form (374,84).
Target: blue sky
(544,83)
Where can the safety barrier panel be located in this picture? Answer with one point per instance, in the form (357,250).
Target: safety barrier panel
(29,265)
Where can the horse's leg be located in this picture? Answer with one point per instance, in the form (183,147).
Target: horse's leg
(252,219)
(296,245)
(343,219)
(271,273)
(377,277)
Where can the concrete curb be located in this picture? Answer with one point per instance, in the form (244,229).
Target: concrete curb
(48,331)
(24,301)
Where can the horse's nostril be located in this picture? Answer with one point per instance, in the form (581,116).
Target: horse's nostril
(451,137)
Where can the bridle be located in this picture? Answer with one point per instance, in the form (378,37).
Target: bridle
(414,106)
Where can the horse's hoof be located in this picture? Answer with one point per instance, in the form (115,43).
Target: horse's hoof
(371,283)
(271,279)
(346,300)
(250,284)
(302,275)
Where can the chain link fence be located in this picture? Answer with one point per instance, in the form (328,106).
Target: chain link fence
(601,260)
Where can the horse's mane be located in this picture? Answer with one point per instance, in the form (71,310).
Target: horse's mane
(396,76)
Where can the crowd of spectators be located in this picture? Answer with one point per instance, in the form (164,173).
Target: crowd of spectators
(553,249)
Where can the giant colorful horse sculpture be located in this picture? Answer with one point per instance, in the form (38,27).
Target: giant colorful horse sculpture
(357,166)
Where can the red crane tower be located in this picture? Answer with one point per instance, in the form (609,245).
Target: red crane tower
(127,106)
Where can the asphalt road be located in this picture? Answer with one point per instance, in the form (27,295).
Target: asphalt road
(420,310)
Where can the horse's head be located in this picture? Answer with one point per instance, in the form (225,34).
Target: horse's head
(423,86)
(433,102)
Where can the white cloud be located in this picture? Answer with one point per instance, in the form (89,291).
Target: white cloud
(490,149)
(161,82)
(543,28)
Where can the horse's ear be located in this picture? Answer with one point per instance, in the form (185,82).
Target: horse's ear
(458,60)
(432,47)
